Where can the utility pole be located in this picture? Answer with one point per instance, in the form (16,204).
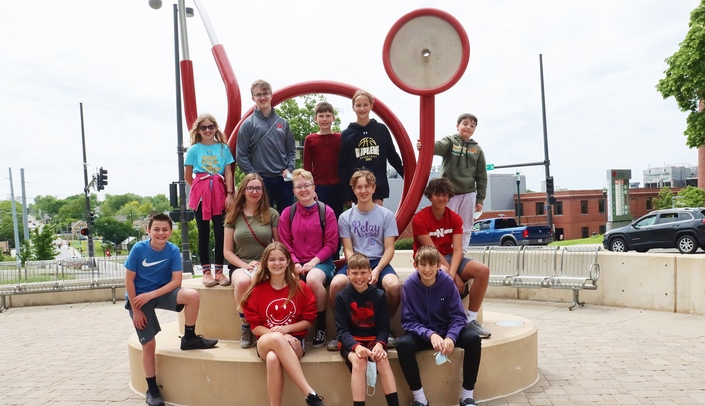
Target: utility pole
(86,189)
(24,206)
(546,161)
(14,219)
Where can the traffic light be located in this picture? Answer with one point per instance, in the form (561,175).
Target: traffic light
(91,218)
(102,179)
(84,231)
(549,185)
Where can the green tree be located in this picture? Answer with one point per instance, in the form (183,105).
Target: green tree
(192,237)
(692,196)
(48,205)
(26,252)
(664,199)
(112,230)
(131,210)
(7,229)
(300,113)
(113,203)
(159,203)
(685,77)
(43,243)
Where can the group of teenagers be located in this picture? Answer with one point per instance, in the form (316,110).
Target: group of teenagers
(280,253)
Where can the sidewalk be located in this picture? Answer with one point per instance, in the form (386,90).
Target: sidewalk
(77,355)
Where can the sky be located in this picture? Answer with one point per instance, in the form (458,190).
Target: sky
(601,59)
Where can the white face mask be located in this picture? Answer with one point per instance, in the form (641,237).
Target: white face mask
(440,358)
(371,376)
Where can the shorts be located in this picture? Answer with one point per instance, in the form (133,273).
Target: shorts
(166,302)
(328,268)
(463,262)
(344,352)
(247,271)
(387,270)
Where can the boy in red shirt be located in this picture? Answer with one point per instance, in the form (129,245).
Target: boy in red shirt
(321,152)
(439,226)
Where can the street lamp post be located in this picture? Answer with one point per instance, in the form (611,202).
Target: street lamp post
(518,179)
(180,14)
(604,205)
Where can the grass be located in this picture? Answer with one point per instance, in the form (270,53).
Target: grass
(590,240)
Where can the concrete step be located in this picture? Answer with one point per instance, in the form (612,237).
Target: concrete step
(230,375)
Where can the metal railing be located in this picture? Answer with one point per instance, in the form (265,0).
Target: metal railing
(61,275)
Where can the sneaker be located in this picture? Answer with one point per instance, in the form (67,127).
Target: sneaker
(208,280)
(154,399)
(247,339)
(417,403)
(314,400)
(467,402)
(392,340)
(319,339)
(197,343)
(333,344)
(476,327)
(221,279)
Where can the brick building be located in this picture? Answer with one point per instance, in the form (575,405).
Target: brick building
(577,213)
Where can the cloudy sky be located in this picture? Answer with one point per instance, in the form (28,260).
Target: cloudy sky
(602,60)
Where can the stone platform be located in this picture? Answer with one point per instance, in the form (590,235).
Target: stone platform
(230,375)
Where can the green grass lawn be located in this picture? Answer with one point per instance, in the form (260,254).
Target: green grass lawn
(590,240)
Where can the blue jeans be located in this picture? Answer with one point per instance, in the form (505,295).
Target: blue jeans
(279,192)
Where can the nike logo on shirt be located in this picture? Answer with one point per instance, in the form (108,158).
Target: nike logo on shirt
(148,264)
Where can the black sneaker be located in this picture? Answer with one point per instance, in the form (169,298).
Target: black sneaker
(319,339)
(197,343)
(154,399)
(476,327)
(314,400)
(467,402)
(392,340)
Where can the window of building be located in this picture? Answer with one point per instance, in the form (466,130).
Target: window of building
(583,207)
(601,206)
(559,234)
(585,232)
(602,229)
(558,209)
(539,209)
(649,204)
(519,210)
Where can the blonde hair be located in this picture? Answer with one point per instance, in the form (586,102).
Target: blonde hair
(360,92)
(301,173)
(263,274)
(363,173)
(262,208)
(196,135)
(358,261)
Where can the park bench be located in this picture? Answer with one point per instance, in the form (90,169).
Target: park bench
(537,267)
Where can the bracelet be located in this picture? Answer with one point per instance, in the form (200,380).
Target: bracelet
(230,192)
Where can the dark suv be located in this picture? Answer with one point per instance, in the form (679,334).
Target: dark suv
(682,228)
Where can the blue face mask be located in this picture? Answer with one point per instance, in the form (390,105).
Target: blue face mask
(371,376)
(440,358)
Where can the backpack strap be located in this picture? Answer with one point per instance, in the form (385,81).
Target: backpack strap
(321,217)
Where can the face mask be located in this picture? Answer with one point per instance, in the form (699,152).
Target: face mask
(440,358)
(371,377)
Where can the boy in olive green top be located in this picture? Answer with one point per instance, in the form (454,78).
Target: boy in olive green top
(464,166)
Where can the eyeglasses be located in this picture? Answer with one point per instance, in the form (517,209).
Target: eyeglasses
(261,95)
(206,127)
(304,186)
(253,189)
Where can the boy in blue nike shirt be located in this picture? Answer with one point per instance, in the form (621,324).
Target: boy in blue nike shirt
(153,280)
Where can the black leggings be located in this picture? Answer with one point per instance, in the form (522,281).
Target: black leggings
(204,235)
(410,343)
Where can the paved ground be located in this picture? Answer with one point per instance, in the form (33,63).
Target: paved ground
(77,355)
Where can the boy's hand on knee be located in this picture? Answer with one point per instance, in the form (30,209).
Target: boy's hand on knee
(437,342)
(362,352)
(374,276)
(141,300)
(138,319)
(460,284)
(448,346)
(378,352)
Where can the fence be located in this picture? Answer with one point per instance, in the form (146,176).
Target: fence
(61,275)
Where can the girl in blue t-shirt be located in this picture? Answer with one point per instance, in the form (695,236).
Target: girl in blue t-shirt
(209,172)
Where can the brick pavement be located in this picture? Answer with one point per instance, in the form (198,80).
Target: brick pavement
(77,355)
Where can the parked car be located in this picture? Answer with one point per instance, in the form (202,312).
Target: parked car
(505,231)
(682,228)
